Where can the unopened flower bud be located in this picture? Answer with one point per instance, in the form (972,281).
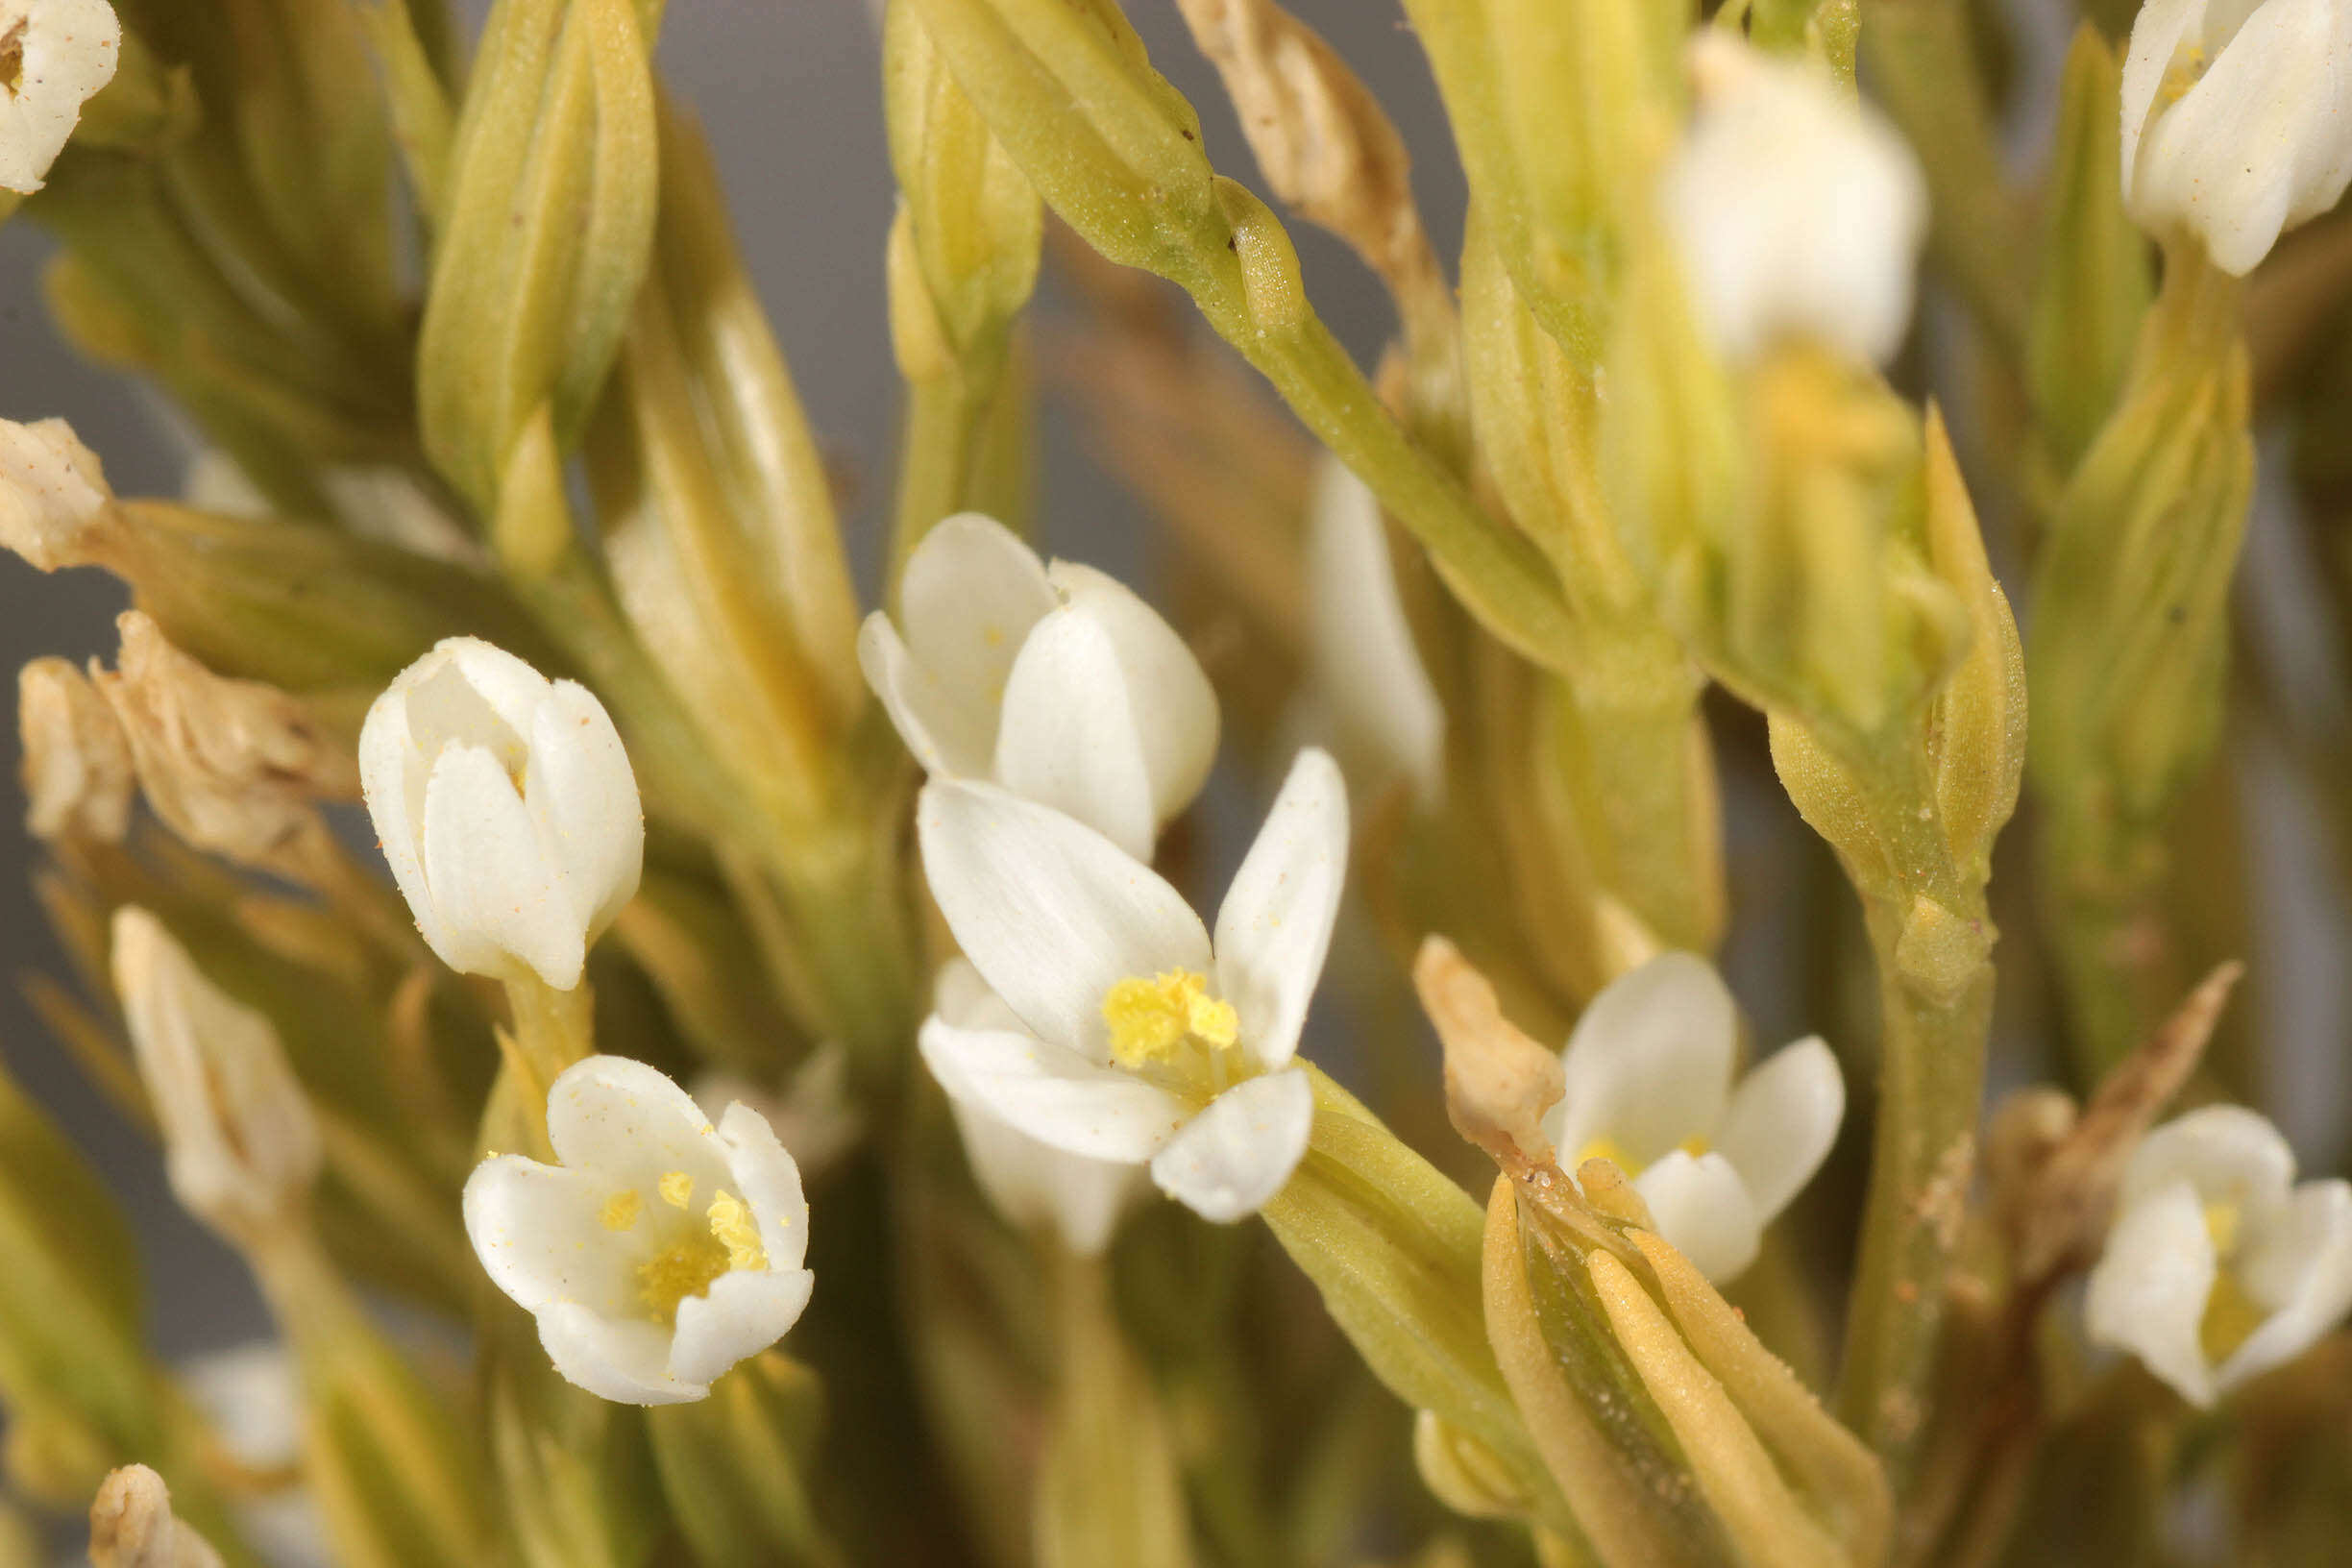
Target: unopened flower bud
(54,56)
(2237,120)
(506,805)
(53,492)
(132,1526)
(240,1142)
(1799,213)
(76,765)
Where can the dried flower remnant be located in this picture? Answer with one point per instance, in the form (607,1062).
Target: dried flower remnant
(54,497)
(132,1526)
(77,764)
(54,56)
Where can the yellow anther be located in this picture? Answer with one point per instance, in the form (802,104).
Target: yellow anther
(621,1210)
(731,1223)
(1694,1145)
(2221,1222)
(686,1269)
(1149,1018)
(2231,1317)
(678,1190)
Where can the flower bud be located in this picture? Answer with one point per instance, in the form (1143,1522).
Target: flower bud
(1799,213)
(2237,120)
(53,55)
(76,765)
(132,1526)
(53,494)
(506,805)
(242,1143)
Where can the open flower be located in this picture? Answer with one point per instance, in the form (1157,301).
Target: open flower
(661,1251)
(1140,1040)
(55,55)
(1053,681)
(2237,120)
(1032,1184)
(506,805)
(1798,211)
(1648,1087)
(2218,1267)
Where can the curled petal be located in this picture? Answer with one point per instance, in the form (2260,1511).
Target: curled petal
(1781,1121)
(2147,1295)
(1274,929)
(1704,1211)
(2302,1268)
(536,1230)
(764,1174)
(742,1314)
(1069,739)
(1241,1151)
(631,1125)
(1053,1094)
(626,1362)
(2227,1153)
(1175,707)
(1648,1066)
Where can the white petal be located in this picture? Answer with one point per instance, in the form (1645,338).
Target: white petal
(392,772)
(944,738)
(1034,1184)
(742,1314)
(970,594)
(67,50)
(583,795)
(500,899)
(1241,1149)
(2148,1294)
(2228,1153)
(626,1360)
(1367,664)
(1050,912)
(1051,1093)
(630,1125)
(1781,1121)
(472,691)
(1704,1211)
(1175,707)
(2156,35)
(763,1173)
(1067,738)
(963,999)
(540,1234)
(1649,1066)
(2302,1267)
(1275,927)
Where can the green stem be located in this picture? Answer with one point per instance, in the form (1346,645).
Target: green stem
(949,456)
(554,1029)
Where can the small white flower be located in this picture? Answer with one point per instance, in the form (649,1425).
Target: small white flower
(55,55)
(240,1141)
(1053,681)
(1032,1184)
(1798,211)
(2219,1266)
(661,1251)
(1648,1087)
(506,805)
(1140,1040)
(1365,669)
(2237,120)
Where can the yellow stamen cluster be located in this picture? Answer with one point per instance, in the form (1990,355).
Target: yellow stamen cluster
(2231,1315)
(731,1240)
(1149,1018)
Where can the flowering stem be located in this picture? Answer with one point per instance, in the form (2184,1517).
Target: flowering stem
(553,1028)
(962,449)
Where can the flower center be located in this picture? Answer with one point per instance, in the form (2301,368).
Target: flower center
(2231,1315)
(728,1240)
(2186,71)
(1169,1026)
(1609,1148)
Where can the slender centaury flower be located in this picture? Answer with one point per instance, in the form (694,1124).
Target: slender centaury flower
(661,1250)
(54,56)
(1031,1183)
(1799,212)
(1648,1087)
(1141,1041)
(1053,681)
(506,805)
(2237,120)
(2219,1266)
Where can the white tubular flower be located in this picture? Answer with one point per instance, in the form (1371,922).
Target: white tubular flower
(1648,1087)
(240,1141)
(1366,671)
(55,55)
(1799,212)
(54,497)
(2218,1267)
(661,1251)
(1033,1184)
(506,805)
(2237,120)
(1142,1041)
(1053,681)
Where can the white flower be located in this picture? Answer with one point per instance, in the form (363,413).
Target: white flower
(1798,211)
(1032,1184)
(661,1251)
(505,802)
(1053,681)
(1142,1041)
(1366,671)
(240,1141)
(54,497)
(1648,1087)
(2218,1267)
(55,55)
(2237,120)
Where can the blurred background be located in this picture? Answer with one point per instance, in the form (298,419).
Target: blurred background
(789,94)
